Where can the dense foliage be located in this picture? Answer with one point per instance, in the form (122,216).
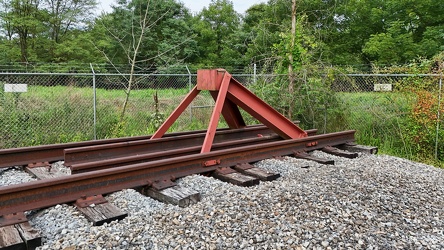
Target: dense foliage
(296,40)
(348,32)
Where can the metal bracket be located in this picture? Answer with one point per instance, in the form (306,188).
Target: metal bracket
(162,184)
(211,163)
(40,164)
(87,201)
(11,219)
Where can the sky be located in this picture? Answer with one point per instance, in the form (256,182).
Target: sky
(195,6)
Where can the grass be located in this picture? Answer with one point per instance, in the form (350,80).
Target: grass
(383,119)
(58,114)
(46,115)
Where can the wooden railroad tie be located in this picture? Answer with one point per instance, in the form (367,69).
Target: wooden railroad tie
(259,173)
(244,175)
(19,236)
(353,147)
(96,208)
(175,195)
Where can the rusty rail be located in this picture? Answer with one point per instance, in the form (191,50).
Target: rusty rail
(127,148)
(45,193)
(55,152)
(153,153)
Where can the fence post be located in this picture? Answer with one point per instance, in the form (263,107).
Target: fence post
(254,73)
(94,100)
(438,117)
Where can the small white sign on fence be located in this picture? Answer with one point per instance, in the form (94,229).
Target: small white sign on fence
(16,87)
(382,87)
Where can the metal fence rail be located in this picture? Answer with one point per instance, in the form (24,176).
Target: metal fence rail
(66,107)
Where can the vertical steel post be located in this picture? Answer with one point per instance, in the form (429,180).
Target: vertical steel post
(254,73)
(94,101)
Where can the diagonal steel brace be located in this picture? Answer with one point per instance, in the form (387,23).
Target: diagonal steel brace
(229,95)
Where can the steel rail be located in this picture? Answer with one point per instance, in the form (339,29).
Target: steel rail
(49,192)
(55,152)
(121,149)
(133,158)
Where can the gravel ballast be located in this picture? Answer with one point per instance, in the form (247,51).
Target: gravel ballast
(371,202)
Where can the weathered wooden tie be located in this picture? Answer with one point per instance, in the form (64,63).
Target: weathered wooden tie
(307,156)
(44,172)
(353,147)
(175,195)
(96,209)
(339,152)
(232,176)
(259,173)
(19,236)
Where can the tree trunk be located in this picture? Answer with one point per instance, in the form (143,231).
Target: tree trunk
(290,60)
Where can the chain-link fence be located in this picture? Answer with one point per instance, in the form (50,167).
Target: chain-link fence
(46,108)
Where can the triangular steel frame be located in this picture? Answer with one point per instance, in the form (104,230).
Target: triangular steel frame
(229,95)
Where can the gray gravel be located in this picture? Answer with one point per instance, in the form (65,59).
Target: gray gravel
(372,202)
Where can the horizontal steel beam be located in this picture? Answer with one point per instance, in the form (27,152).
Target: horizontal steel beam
(49,192)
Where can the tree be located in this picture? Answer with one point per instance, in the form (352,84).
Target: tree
(218,34)
(145,36)
(394,46)
(23,18)
(65,15)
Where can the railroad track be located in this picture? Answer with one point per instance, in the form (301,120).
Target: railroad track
(108,174)
(98,172)
(153,163)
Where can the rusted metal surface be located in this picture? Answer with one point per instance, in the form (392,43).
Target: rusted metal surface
(12,218)
(54,152)
(163,154)
(45,193)
(133,157)
(86,201)
(176,113)
(122,149)
(141,147)
(229,95)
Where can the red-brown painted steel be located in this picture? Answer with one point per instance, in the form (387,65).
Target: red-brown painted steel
(48,192)
(220,81)
(260,110)
(101,163)
(210,79)
(122,149)
(176,113)
(55,152)
(214,121)
(231,113)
